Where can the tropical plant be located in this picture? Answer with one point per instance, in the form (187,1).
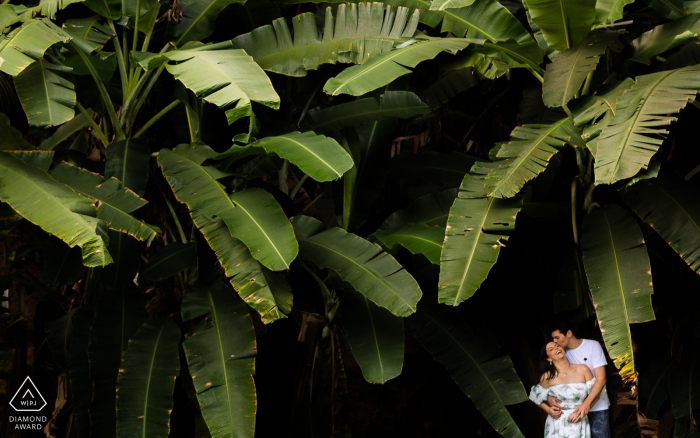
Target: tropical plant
(178,177)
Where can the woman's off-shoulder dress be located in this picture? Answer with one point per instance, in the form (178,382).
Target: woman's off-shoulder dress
(571,396)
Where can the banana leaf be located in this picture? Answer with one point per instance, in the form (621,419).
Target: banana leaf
(441,5)
(521,159)
(27,43)
(473,361)
(370,271)
(127,161)
(198,20)
(47,98)
(67,264)
(392,104)
(671,9)
(654,387)
(481,19)
(609,11)
(271,298)
(147,379)
(382,69)
(671,208)
(50,7)
(665,37)
(594,113)
(375,336)
(619,277)
(475,231)
(74,125)
(417,238)
(115,201)
(564,23)
(566,74)
(630,140)
(221,353)
(318,156)
(53,206)
(89,33)
(359,31)
(684,384)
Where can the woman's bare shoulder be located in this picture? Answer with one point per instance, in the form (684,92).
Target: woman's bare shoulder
(583,369)
(544,382)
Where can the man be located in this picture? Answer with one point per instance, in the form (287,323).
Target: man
(590,353)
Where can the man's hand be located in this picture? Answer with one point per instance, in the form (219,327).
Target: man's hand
(554,402)
(579,413)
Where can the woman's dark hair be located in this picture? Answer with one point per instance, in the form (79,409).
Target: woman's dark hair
(547,368)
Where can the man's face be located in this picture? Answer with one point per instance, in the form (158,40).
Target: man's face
(562,340)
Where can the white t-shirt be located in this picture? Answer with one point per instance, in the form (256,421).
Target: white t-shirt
(591,353)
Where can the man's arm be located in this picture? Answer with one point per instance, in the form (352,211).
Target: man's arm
(592,398)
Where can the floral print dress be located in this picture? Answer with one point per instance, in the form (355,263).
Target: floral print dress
(571,396)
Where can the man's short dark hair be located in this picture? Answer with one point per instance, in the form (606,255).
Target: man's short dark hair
(561,324)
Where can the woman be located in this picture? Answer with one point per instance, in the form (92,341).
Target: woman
(568,382)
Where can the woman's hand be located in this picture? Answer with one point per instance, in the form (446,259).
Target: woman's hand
(554,412)
(579,413)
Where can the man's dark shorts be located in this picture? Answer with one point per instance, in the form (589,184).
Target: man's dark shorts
(599,424)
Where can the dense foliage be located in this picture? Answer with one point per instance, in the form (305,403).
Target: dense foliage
(178,179)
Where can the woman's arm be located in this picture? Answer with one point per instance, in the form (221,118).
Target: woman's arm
(592,397)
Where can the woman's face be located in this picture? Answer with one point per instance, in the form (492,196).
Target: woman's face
(554,351)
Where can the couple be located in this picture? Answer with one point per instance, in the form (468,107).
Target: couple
(572,386)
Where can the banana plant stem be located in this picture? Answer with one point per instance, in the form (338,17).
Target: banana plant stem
(120,61)
(136,27)
(103,92)
(574,222)
(101,135)
(155,118)
(298,186)
(175,219)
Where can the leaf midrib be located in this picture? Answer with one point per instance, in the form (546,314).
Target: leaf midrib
(532,149)
(619,279)
(148,380)
(374,333)
(473,250)
(311,152)
(223,356)
(635,117)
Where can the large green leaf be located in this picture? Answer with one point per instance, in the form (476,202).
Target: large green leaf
(375,336)
(630,140)
(672,209)
(111,9)
(90,34)
(619,277)
(521,159)
(382,69)
(74,125)
(46,97)
(481,19)
(594,113)
(392,104)
(224,78)
(115,202)
(127,161)
(50,7)
(473,361)
(654,387)
(417,238)
(432,209)
(475,229)
(198,20)
(564,23)
(10,138)
(360,31)
(147,379)
(221,353)
(672,9)
(370,271)
(565,75)
(27,43)
(262,290)
(258,220)
(318,156)
(609,11)
(665,37)
(54,207)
